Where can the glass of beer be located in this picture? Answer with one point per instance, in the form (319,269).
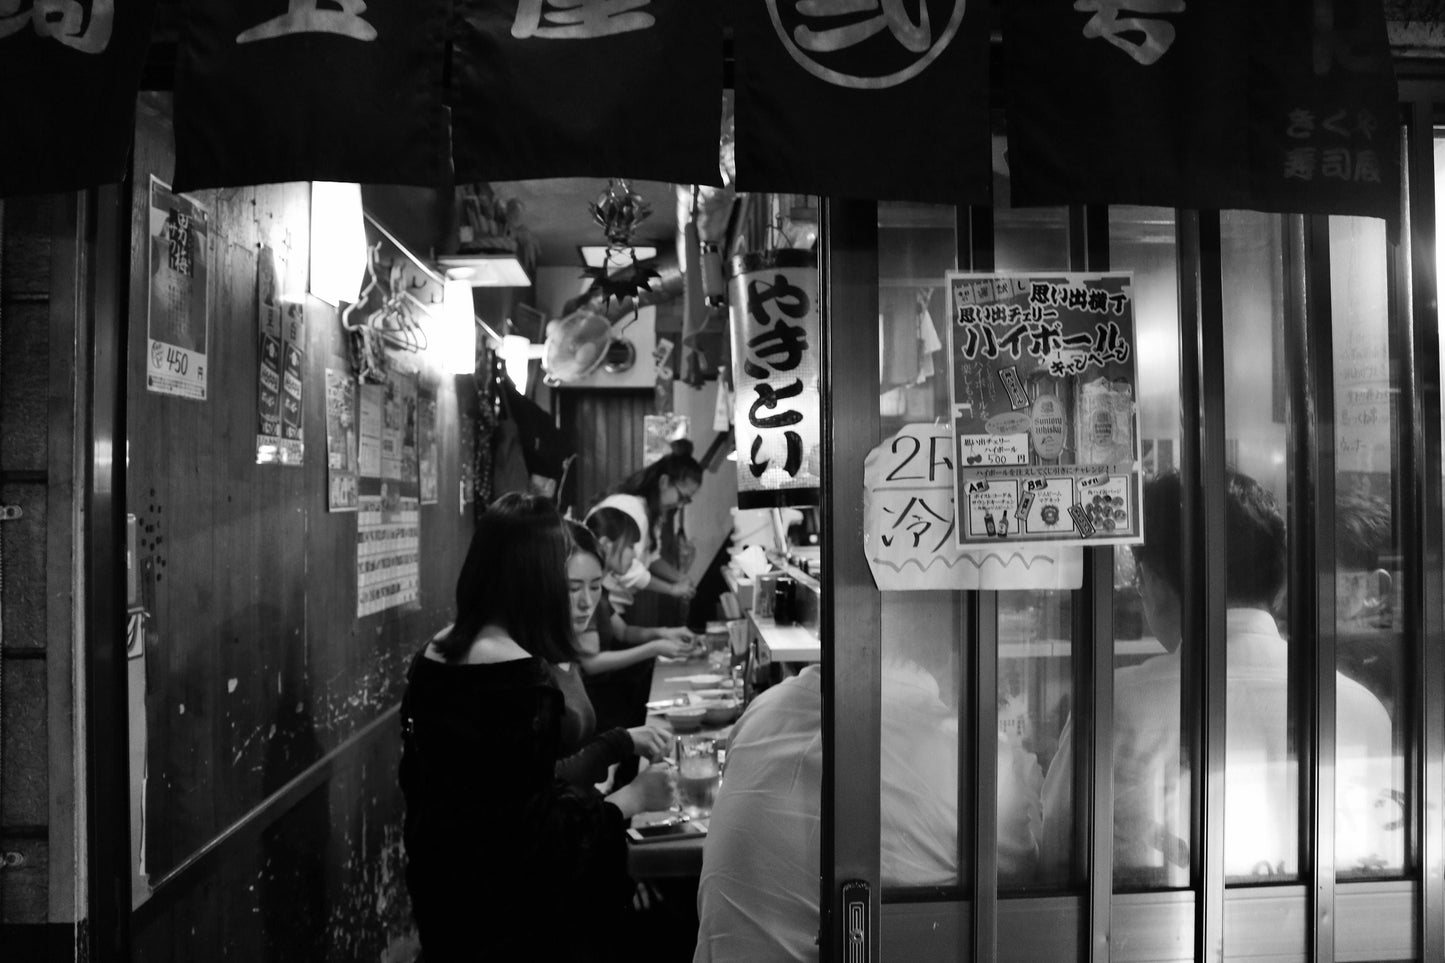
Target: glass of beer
(698,774)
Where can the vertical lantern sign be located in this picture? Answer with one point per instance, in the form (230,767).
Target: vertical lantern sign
(774,301)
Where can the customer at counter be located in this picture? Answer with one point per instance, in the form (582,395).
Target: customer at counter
(1151,783)
(593,749)
(758,890)
(496,844)
(618,658)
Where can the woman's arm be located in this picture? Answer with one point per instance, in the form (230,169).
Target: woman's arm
(630,635)
(588,765)
(595,662)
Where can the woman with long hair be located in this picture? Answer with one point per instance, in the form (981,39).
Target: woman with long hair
(650,497)
(497,843)
(593,743)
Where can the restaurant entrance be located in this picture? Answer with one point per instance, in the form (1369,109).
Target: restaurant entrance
(1244,763)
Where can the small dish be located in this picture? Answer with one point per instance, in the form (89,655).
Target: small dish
(720,712)
(709,695)
(706,681)
(686,718)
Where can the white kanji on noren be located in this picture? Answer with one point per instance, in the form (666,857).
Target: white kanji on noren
(302,16)
(887,14)
(579,19)
(63,20)
(1105,22)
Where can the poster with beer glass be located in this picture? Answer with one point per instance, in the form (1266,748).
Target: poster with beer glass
(1043,387)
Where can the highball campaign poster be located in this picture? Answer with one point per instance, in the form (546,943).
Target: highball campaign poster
(1043,386)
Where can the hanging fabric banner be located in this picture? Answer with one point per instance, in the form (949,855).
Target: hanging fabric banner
(70,70)
(564,88)
(778,420)
(1180,103)
(864,98)
(289,90)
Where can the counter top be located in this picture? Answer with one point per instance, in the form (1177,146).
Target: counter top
(786,643)
(673,857)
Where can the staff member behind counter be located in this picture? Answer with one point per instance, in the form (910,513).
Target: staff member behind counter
(758,891)
(650,497)
(619,669)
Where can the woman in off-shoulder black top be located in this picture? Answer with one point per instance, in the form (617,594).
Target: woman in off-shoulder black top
(506,861)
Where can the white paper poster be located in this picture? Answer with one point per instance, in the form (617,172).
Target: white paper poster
(176,311)
(909,539)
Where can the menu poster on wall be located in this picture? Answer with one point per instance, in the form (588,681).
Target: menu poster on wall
(176,310)
(293,363)
(426,413)
(388,521)
(370,401)
(908,526)
(1043,385)
(342,460)
(281,351)
(268,321)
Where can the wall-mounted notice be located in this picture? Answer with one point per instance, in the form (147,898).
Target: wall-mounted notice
(388,505)
(176,314)
(1043,385)
(427,456)
(281,353)
(342,461)
(908,535)
(371,399)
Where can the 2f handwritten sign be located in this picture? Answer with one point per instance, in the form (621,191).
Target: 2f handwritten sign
(775,369)
(910,537)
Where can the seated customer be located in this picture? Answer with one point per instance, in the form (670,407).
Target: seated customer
(1151,787)
(758,890)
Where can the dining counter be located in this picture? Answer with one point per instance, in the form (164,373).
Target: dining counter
(681,857)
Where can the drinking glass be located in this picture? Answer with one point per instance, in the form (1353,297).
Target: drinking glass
(698,774)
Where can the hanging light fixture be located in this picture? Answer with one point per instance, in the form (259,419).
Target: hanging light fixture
(338,242)
(453,334)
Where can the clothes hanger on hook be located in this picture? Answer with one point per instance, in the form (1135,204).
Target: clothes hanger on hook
(372,283)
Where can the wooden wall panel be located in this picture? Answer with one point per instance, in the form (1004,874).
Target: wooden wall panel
(258,666)
(607,433)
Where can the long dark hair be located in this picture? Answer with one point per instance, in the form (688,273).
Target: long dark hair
(584,541)
(677,466)
(515,575)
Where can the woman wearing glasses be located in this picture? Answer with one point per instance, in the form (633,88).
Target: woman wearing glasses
(650,497)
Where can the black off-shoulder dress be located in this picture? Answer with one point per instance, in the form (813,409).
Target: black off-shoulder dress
(505,861)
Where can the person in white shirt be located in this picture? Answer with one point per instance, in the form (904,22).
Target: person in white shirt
(1151,778)
(758,890)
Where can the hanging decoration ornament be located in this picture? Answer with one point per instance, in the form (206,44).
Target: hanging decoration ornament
(618,210)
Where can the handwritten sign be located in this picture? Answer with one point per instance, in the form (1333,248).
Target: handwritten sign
(1045,431)
(909,526)
(775,370)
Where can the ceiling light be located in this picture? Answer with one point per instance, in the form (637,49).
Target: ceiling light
(616,258)
(485,270)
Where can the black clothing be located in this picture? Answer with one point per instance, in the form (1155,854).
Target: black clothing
(619,697)
(504,860)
